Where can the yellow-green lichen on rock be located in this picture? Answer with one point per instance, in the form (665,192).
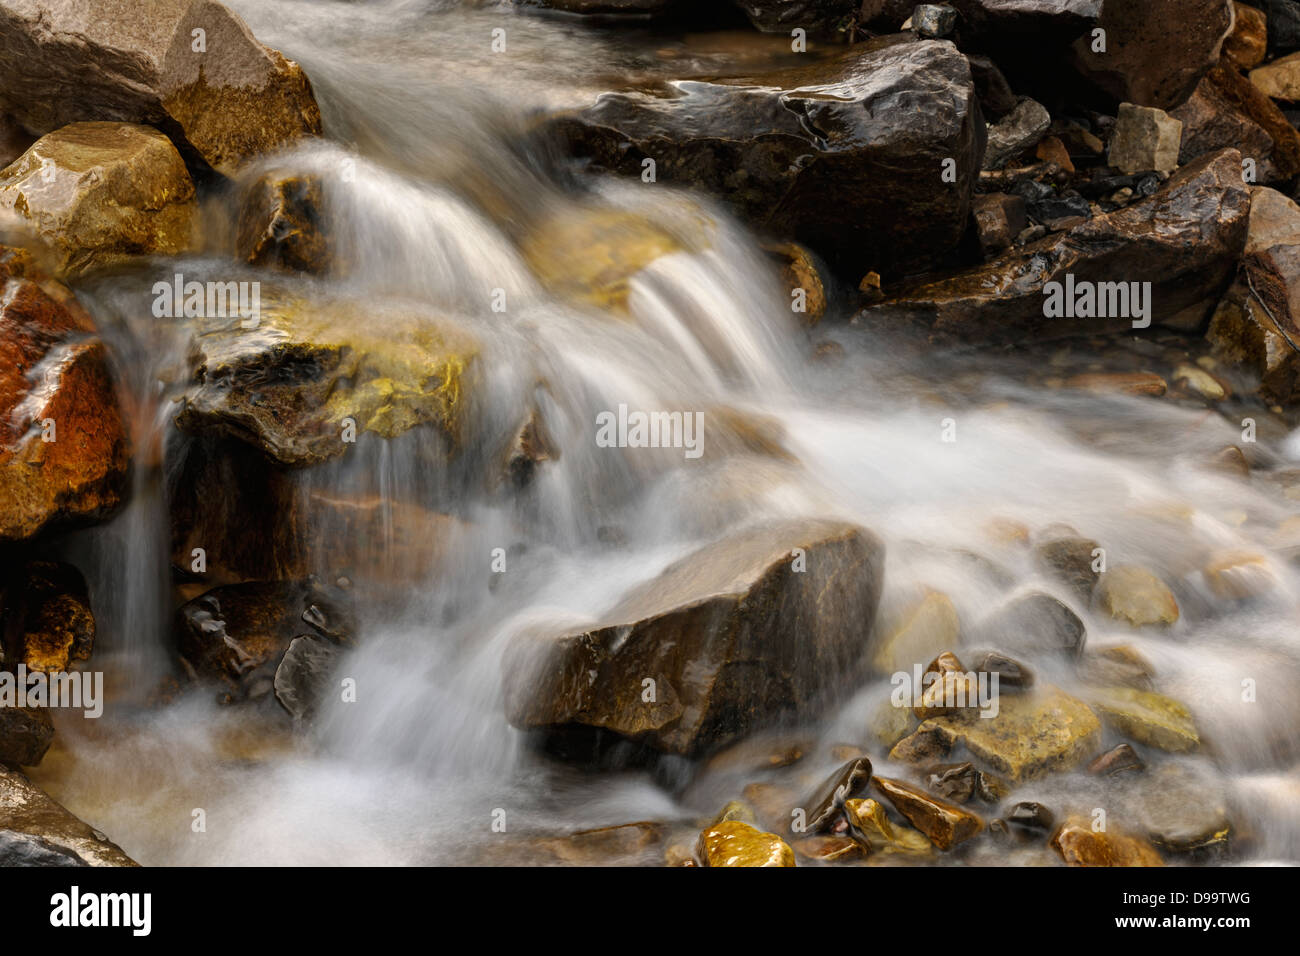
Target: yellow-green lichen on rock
(1148,718)
(313,372)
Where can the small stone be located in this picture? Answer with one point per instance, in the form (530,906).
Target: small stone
(827,803)
(734,810)
(1016,132)
(1135,595)
(1231,460)
(1011,673)
(1073,559)
(733,843)
(1052,150)
(934,20)
(1201,382)
(955,782)
(1144,138)
(1120,759)
(829,848)
(802,279)
(870,825)
(1117,666)
(944,823)
(1031,816)
(1147,717)
(1183,809)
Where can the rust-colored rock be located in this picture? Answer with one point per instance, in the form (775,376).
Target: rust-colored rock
(1079,845)
(46,613)
(64,451)
(944,823)
(281,224)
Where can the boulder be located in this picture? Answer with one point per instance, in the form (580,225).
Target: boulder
(1185,240)
(847,155)
(732,637)
(100,193)
(1071,559)
(1035,623)
(35,828)
(64,449)
(195,71)
(738,844)
(1033,734)
(1155,51)
(291,385)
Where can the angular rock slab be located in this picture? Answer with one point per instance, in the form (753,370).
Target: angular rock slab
(731,635)
(1185,240)
(62,61)
(846,155)
(99,193)
(36,830)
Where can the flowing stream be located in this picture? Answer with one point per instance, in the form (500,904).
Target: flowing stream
(432,175)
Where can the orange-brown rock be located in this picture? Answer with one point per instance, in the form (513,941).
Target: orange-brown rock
(944,823)
(1079,845)
(64,450)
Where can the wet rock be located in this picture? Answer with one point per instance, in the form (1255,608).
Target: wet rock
(1147,717)
(758,754)
(827,803)
(1231,460)
(1035,623)
(991,87)
(1119,759)
(100,193)
(871,827)
(1011,673)
(1200,382)
(26,811)
(1033,734)
(1184,809)
(14,140)
(23,849)
(1079,845)
(801,277)
(889,724)
(627,843)
(239,633)
(64,450)
(738,844)
(1247,100)
(1031,816)
(999,218)
(934,20)
(955,689)
(734,810)
(1052,150)
(1189,260)
(1016,132)
(1144,139)
(731,637)
(25,735)
(532,445)
(1073,560)
(815,153)
(221,101)
(945,824)
(280,224)
(1156,51)
(302,678)
(1123,666)
(46,612)
(774,804)
(1247,45)
(927,628)
(1239,576)
(294,383)
(1136,596)
(1211,121)
(1256,326)
(955,782)
(1283,23)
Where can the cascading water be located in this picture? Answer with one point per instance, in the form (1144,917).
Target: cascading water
(431,197)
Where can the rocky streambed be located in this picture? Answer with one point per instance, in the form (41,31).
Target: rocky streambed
(678,434)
